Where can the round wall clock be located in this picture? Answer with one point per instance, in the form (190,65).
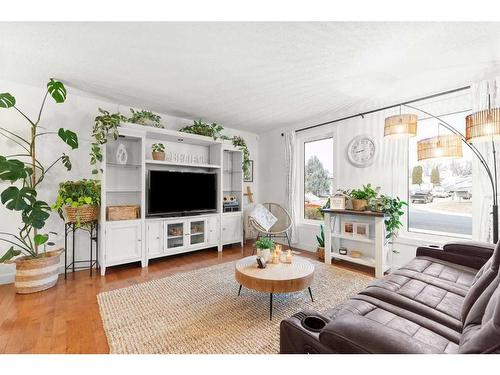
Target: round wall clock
(361,151)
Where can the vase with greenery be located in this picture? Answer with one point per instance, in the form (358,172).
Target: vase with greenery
(264,245)
(104,125)
(144,117)
(158,151)
(78,201)
(360,197)
(25,172)
(214,131)
(320,250)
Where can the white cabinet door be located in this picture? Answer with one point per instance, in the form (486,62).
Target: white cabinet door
(197,232)
(175,235)
(154,238)
(232,228)
(213,231)
(123,242)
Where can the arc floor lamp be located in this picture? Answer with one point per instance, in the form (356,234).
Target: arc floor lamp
(481,126)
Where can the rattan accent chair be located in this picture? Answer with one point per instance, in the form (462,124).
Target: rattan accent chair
(280,228)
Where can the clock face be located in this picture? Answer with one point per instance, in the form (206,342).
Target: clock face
(361,151)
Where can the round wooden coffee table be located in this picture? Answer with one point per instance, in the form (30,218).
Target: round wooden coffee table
(275,278)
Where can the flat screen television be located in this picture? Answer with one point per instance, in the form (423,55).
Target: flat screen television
(172,192)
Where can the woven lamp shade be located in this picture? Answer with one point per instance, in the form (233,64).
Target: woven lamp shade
(401,125)
(483,125)
(442,146)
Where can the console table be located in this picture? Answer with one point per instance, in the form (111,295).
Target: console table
(376,253)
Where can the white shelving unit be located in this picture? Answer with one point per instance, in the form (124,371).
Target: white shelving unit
(375,252)
(125,184)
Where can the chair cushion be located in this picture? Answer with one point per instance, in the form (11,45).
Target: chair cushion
(263,217)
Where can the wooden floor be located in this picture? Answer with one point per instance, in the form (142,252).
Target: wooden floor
(65,319)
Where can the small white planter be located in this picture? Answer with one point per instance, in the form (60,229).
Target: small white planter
(264,253)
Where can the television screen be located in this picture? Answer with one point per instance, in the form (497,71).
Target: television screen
(179,192)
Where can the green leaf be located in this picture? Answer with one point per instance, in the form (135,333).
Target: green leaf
(40,239)
(13,169)
(66,162)
(7,100)
(11,253)
(36,215)
(70,138)
(18,199)
(57,90)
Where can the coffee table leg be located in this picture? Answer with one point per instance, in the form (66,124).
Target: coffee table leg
(311,294)
(270,306)
(239,290)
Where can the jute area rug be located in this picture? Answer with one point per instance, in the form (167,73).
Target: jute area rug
(200,311)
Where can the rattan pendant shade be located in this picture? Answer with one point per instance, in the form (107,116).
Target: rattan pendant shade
(483,126)
(442,146)
(400,126)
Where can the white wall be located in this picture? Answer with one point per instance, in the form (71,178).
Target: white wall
(389,170)
(77,114)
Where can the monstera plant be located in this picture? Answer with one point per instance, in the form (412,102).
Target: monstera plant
(24,172)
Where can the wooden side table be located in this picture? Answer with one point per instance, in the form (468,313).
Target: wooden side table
(93,229)
(275,278)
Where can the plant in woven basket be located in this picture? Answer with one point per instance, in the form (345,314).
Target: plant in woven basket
(78,201)
(144,117)
(26,172)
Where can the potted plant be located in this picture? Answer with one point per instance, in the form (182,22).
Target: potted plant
(320,250)
(78,201)
(37,269)
(264,246)
(158,151)
(104,124)
(214,131)
(360,197)
(393,209)
(144,117)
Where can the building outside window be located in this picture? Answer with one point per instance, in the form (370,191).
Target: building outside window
(318,176)
(440,190)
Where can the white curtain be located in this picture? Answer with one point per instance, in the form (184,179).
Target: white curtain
(481,188)
(291,182)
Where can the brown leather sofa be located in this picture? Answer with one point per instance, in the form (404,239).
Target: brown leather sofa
(446,300)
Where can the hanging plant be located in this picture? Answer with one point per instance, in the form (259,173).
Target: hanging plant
(27,172)
(144,117)
(104,125)
(214,131)
(201,128)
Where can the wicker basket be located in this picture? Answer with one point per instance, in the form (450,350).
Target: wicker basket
(320,252)
(37,274)
(82,214)
(359,204)
(123,212)
(158,155)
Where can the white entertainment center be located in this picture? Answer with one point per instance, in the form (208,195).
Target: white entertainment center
(145,238)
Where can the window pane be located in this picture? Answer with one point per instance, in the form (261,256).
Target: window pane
(440,190)
(318,176)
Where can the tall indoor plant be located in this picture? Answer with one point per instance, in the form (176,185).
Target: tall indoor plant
(26,172)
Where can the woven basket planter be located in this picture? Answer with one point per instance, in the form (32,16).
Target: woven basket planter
(37,274)
(320,252)
(359,204)
(82,214)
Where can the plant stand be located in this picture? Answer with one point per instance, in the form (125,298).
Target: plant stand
(94,236)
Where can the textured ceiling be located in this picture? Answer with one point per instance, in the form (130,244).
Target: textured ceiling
(253,76)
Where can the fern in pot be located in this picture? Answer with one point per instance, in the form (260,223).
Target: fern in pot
(158,151)
(37,269)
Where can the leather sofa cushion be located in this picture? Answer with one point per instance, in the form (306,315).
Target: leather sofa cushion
(480,249)
(366,325)
(482,327)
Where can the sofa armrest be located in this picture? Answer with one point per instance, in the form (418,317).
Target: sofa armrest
(350,333)
(469,254)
